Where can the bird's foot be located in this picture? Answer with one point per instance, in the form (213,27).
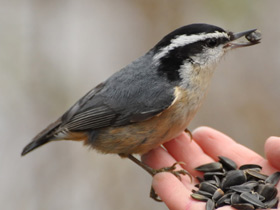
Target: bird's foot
(153,172)
(172,170)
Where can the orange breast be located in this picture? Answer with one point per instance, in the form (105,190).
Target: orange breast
(144,136)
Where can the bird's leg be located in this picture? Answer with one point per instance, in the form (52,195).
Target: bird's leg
(189,133)
(153,172)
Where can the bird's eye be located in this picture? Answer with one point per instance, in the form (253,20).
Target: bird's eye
(212,43)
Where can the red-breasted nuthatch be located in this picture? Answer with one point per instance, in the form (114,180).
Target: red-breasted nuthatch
(151,100)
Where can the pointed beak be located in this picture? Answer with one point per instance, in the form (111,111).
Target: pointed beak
(253,37)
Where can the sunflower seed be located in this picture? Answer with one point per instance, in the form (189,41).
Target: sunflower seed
(210,167)
(199,197)
(207,194)
(251,198)
(255,36)
(227,163)
(225,199)
(218,194)
(234,177)
(256,174)
(250,166)
(207,187)
(210,205)
(272,203)
(268,191)
(273,178)
(243,206)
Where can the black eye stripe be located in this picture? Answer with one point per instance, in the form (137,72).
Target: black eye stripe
(170,63)
(214,42)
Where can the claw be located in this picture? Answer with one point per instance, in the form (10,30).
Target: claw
(171,170)
(189,133)
(154,195)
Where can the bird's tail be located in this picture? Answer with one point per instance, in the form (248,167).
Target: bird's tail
(42,138)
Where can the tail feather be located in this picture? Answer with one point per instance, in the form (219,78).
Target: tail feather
(33,145)
(42,138)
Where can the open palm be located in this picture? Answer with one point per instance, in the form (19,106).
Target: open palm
(206,146)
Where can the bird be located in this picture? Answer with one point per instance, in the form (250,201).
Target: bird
(151,100)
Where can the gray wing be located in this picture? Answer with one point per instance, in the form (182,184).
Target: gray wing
(121,100)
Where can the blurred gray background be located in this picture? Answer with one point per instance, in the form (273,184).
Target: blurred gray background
(52,52)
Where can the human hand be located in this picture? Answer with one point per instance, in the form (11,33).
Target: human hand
(206,146)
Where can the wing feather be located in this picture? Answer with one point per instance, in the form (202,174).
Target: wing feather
(101,115)
(123,99)
(93,119)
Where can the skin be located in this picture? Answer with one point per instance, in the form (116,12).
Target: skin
(206,145)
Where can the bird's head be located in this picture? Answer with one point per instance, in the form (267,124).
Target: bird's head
(197,45)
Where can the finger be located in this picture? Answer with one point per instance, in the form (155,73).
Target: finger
(272,151)
(182,148)
(173,193)
(158,158)
(215,143)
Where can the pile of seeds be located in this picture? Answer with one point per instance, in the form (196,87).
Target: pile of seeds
(245,188)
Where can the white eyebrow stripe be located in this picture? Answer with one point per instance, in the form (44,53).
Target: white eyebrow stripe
(182,40)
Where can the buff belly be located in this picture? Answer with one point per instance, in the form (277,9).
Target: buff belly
(141,137)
